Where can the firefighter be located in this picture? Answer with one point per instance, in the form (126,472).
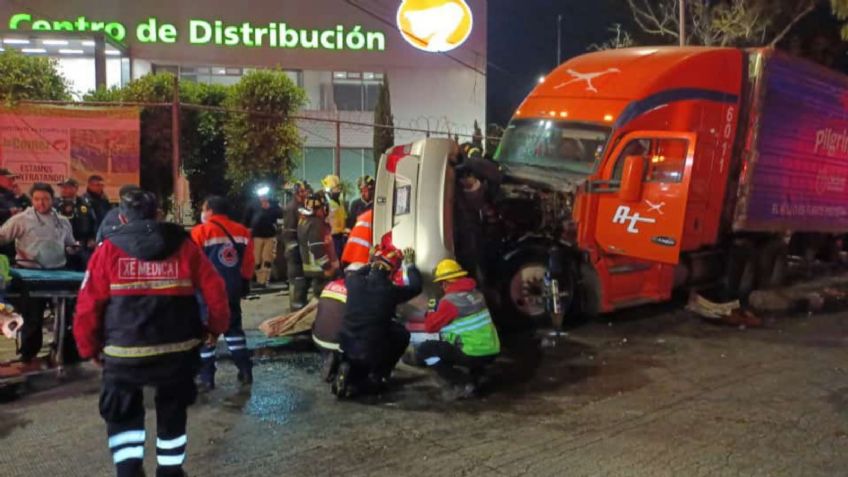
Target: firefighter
(229,247)
(364,202)
(337,215)
(469,339)
(138,317)
(328,325)
(316,244)
(357,250)
(294,263)
(79,212)
(372,341)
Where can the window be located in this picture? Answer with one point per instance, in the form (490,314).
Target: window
(665,159)
(356,91)
(225,75)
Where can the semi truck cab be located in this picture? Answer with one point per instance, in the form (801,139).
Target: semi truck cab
(627,173)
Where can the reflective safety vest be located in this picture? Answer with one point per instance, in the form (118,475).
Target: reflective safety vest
(358,247)
(337,217)
(473,331)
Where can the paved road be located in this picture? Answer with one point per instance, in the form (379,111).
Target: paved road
(655,393)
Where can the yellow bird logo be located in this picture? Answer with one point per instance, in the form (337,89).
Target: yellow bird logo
(435,25)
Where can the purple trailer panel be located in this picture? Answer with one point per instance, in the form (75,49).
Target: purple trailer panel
(797,177)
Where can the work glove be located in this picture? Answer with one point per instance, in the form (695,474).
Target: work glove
(409,256)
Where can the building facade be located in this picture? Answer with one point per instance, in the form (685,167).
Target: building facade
(433,52)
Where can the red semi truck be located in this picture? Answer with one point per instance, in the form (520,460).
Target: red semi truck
(629,173)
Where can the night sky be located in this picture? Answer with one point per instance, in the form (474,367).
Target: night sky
(523,43)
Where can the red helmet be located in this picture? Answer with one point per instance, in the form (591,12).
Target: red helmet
(388,255)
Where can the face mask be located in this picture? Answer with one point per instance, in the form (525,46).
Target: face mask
(204,216)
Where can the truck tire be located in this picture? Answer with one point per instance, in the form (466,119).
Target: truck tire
(772,264)
(521,286)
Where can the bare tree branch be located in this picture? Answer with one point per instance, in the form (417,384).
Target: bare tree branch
(803,13)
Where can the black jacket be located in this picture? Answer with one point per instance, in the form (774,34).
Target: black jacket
(263,222)
(372,299)
(7,203)
(100,204)
(81,215)
(357,208)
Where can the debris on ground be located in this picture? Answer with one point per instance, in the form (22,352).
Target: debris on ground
(730,313)
(291,323)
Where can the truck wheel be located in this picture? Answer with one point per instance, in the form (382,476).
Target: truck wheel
(522,287)
(772,265)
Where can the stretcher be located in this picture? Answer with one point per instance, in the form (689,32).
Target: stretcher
(59,287)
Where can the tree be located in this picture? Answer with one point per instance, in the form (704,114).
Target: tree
(30,78)
(721,22)
(840,9)
(262,140)
(384,121)
(477,138)
(620,39)
(203,146)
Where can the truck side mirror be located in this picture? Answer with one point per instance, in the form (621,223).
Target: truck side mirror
(631,179)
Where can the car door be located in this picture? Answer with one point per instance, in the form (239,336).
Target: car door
(649,227)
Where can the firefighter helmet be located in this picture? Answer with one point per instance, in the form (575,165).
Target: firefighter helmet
(315,201)
(330,182)
(389,257)
(448,269)
(366,181)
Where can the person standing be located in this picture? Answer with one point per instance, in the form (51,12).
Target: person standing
(113,218)
(42,239)
(316,244)
(22,201)
(96,197)
(81,216)
(336,215)
(469,339)
(8,204)
(261,219)
(363,203)
(371,340)
(294,263)
(229,247)
(138,317)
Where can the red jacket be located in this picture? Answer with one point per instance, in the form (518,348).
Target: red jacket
(139,293)
(447,311)
(232,258)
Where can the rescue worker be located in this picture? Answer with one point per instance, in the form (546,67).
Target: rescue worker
(113,218)
(294,264)
(358,247)
(81,215)
(261,219)
(364,202)
(337,216)
(42,239)
(328,325)
(138,318)
(97,199)
(320,264)
(372,342)
(228,245)
(469,339)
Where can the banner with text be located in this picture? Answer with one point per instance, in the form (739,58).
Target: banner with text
(49,144)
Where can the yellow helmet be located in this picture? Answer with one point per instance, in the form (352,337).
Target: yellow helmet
(449,269)
(331,182)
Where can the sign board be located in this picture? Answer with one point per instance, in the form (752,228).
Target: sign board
(49,144)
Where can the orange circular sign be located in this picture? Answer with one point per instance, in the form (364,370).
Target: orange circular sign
(435,25)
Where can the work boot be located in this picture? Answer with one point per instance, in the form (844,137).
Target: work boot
(329,366)
(299,294)
(341,385)
(245,378)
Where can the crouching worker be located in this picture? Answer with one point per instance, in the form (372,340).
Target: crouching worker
(137,306)
(328,326)
(372,342)
(469,341)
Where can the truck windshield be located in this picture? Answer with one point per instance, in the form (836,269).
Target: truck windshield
(552,145)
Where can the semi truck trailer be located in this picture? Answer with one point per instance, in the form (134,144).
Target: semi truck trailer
(630,173)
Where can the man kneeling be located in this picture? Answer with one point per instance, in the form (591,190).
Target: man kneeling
(469,339)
